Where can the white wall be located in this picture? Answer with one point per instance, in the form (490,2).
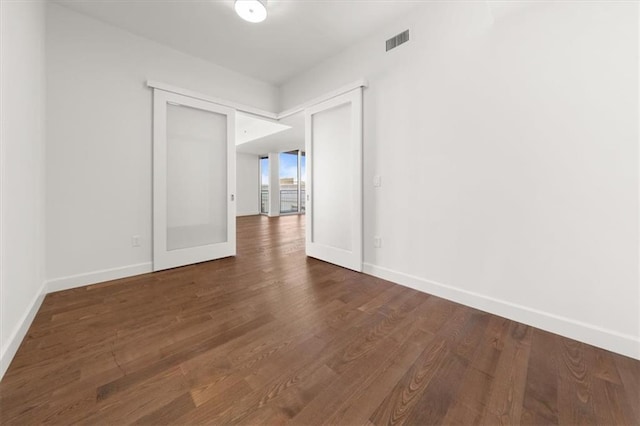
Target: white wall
(99,141)
(507,142)
(22,136)
(247,184)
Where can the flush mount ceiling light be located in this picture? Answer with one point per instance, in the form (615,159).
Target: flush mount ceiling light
(252,10)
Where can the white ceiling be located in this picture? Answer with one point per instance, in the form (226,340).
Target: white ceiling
(296,35)
(249,127)
(287,140)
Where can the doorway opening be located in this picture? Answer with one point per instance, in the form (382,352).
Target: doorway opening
(313,168)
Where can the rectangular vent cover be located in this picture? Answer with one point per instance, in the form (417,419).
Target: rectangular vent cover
(396,41)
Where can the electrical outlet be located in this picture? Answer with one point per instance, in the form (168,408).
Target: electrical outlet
(377,181)
(377,242)
(135,241)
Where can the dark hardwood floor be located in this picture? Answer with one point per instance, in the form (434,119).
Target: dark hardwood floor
(271,337)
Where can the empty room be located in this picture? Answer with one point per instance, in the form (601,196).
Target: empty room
(349,212)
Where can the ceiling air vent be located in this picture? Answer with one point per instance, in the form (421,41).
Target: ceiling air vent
(396,41)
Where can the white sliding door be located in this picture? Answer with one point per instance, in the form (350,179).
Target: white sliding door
(334,180)
(193,181)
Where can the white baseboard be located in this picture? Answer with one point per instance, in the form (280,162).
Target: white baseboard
(58,284)
(73,281)
(9,351)
(588,333)
(597,336)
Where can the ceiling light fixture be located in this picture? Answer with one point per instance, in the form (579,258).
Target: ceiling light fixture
(252,10)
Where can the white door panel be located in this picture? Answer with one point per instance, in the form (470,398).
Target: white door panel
(194,181)
(334,170)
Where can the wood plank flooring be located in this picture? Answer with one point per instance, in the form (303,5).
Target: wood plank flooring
(273,337)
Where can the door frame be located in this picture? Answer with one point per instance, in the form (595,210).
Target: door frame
(358,85)
(352,259)
(163,258)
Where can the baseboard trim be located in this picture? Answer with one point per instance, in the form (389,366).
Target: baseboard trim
(79,280)
(58,284)
(588,333)
(9,351)
(597,336)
